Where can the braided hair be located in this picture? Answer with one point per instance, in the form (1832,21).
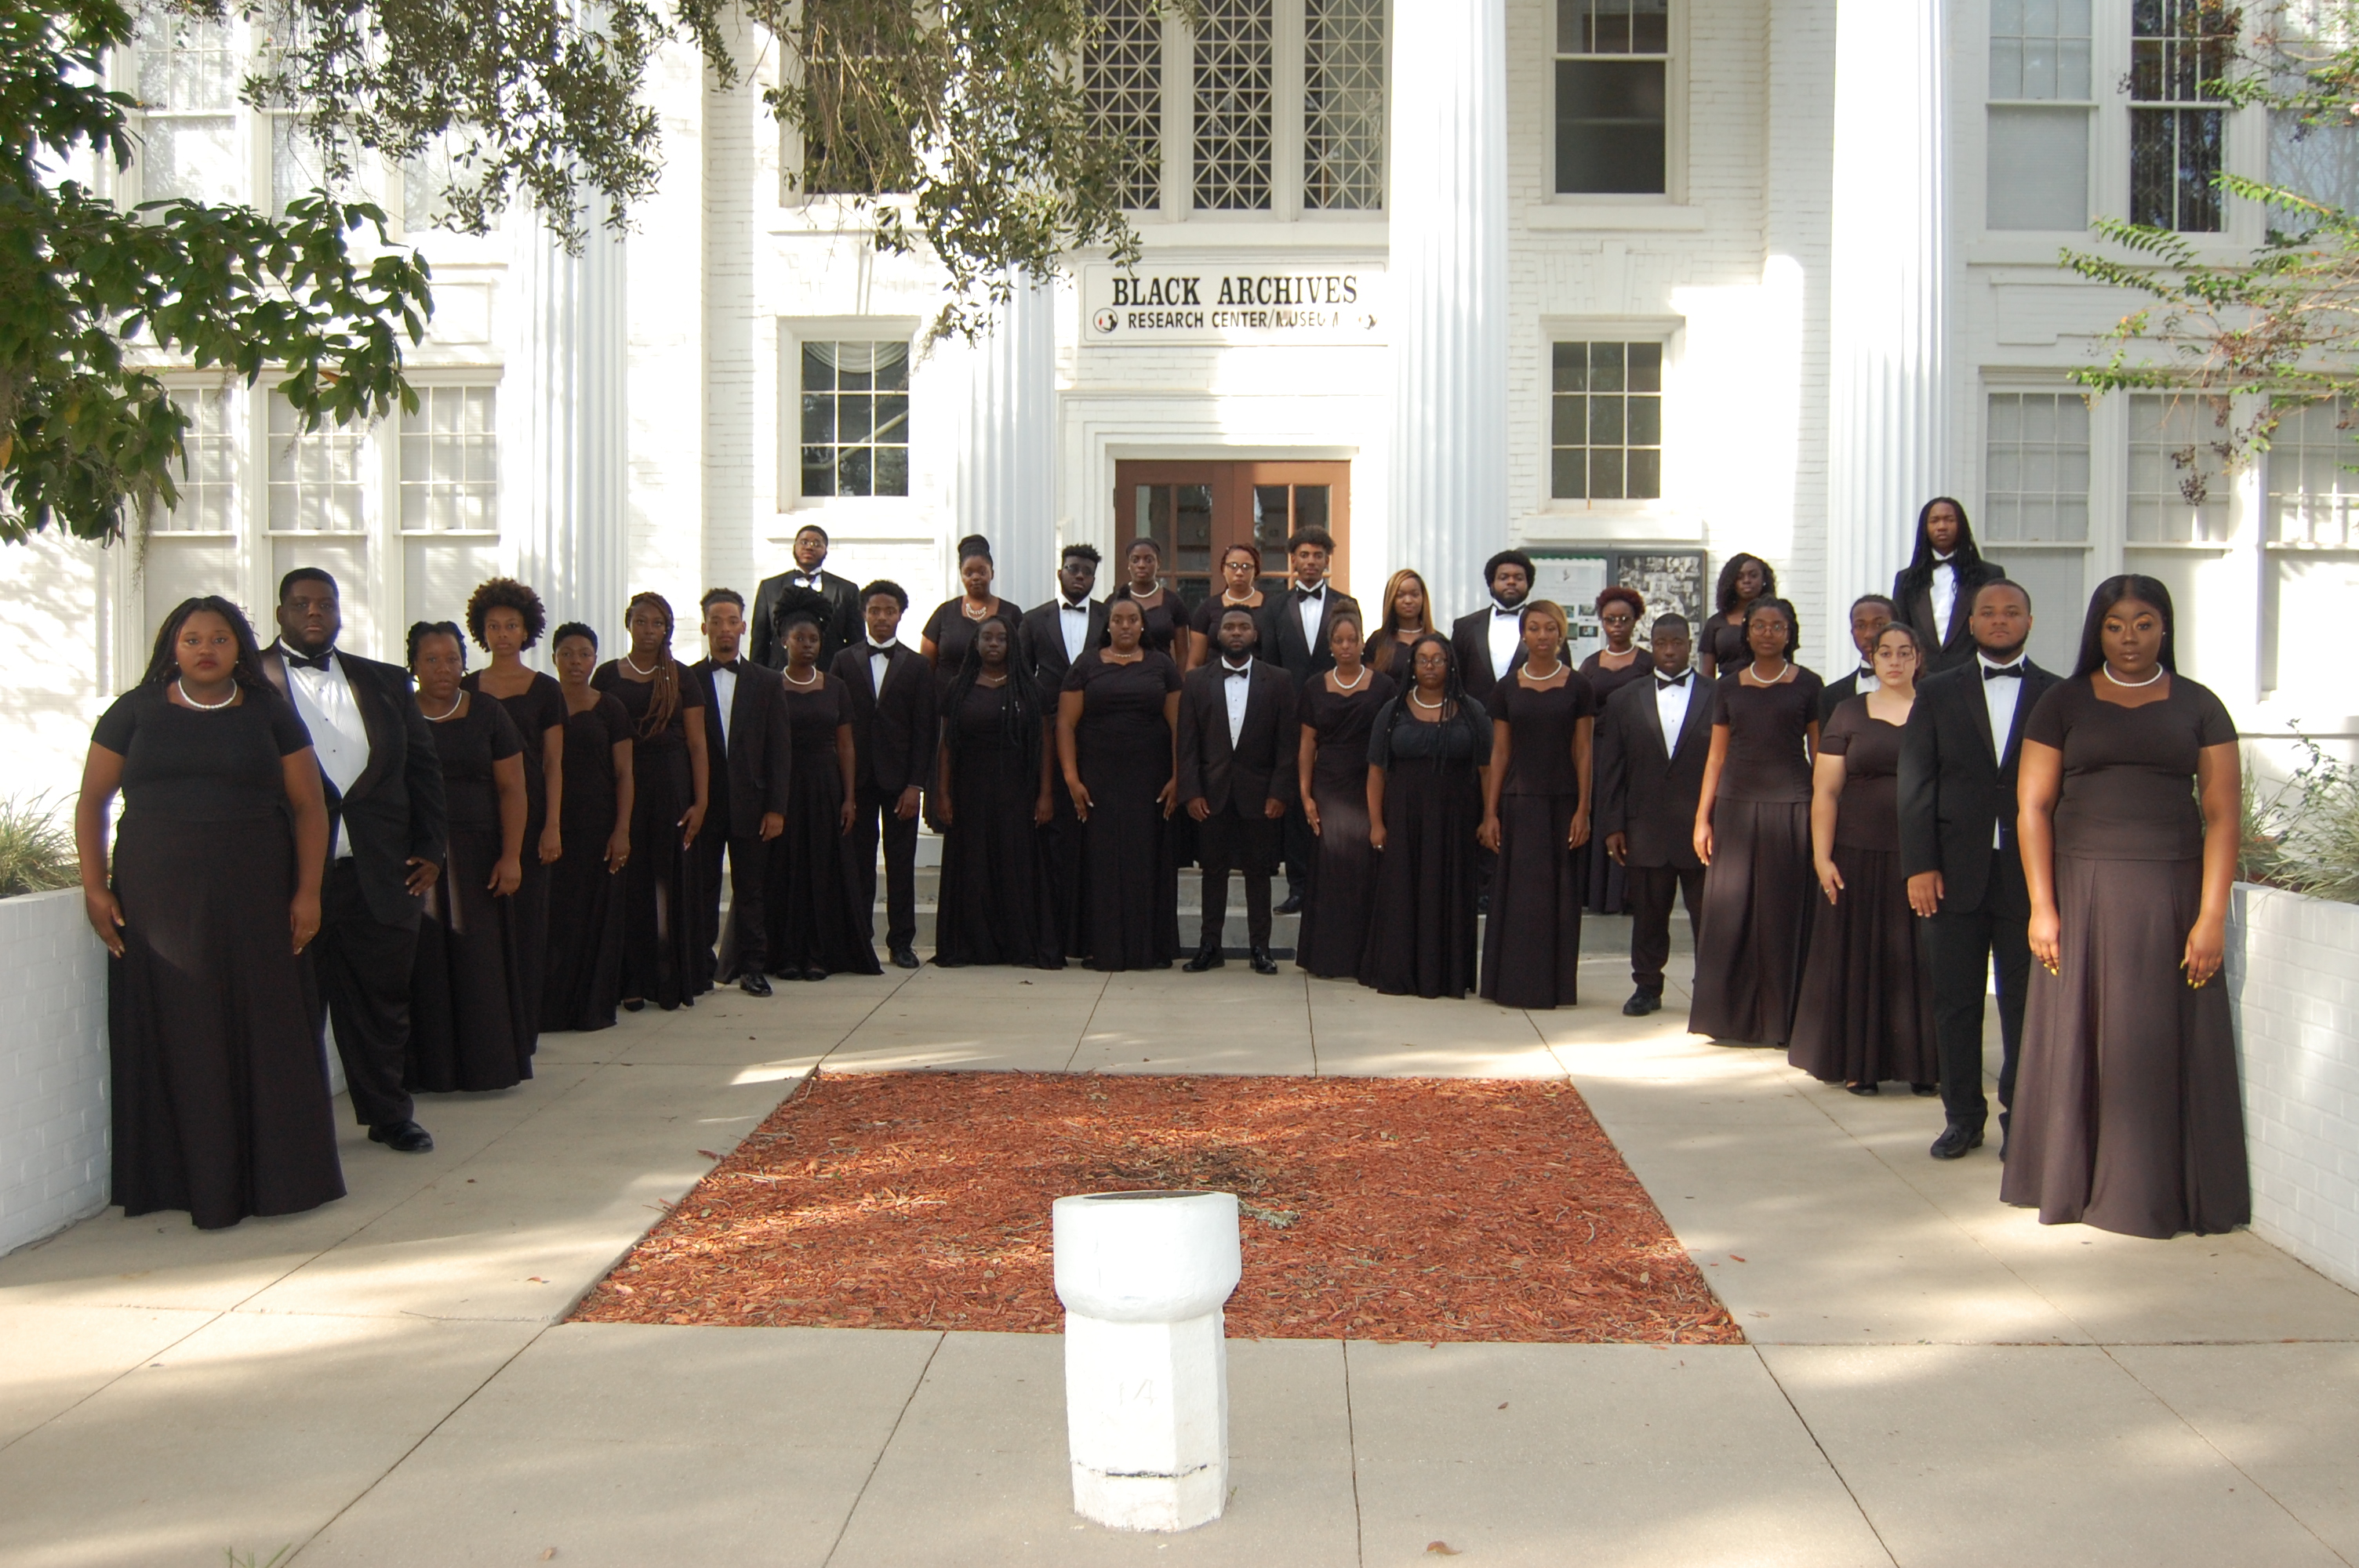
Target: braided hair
(1454,700)
(663,700)
(164,665)
(1020,720)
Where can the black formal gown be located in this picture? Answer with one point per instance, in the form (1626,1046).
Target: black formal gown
(1204,620)
(1165,618)
(1725,644)
(950,633)
(818,918)
(1603,883)
(1130,871)
(2128,1111)
(471,1022)
(660,956)
(1866,1009)
(219,1089)
(994,907)
(1421,923)
(1335,909)
(584,979)
(1758,891)
(536,711)
(1531,943)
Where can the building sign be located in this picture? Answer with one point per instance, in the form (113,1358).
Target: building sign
(1209,302)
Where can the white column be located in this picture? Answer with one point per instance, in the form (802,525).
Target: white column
(1005,484)
(1887,442)
(1449,284)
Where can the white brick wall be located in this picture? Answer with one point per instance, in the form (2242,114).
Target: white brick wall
(53,1066)
(2295,985)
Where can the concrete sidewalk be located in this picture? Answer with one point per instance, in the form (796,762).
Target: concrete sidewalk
(1933,1378)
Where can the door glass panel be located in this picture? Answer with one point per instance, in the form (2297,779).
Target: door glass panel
(1310,507)
(1195,528)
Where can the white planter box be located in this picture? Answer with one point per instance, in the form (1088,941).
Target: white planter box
(2293,979)
(54,1119)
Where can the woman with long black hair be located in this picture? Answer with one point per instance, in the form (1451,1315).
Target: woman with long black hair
(1935,590)
(219,1093)
(2127,1113)
(585,887)
(668,797)
(991,796)
(1117,720)
(1428,765)
(1720,640)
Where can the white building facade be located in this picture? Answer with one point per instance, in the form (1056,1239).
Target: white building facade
(1632,284)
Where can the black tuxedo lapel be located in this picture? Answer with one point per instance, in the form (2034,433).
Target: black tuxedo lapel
(1695,729)
(1978,714)
(378,721)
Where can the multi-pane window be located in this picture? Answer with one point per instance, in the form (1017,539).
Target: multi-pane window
(856,406)
(319,479)
(2178,50)
(189,71)
(2313,487)
(1606,422)
(1612,96)
(1343,105)
(449,461)
(2036,478)
(2177,491)
(208,503)
(1235,75)
(1122,83)
(2039,111)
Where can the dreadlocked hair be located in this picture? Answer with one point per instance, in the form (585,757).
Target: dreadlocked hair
(1019,717)
(1453,690)
(663,700)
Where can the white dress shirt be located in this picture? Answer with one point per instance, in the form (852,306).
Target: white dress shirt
(2000,697)
(1314,610)
(1507,633)
(880,659)
(1073,621)
(725,698)
(1671,707)
(1236,685)
(324,700)
(1945,595)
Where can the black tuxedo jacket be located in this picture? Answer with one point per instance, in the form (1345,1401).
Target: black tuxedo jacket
(1264,763)
(1834,694)
(1470,641)
(1949,646)
(894,732)
(1281,641)
(751,769)
(1644,792)
(394,811)
(1040,647)
(762,643)
(1957,780)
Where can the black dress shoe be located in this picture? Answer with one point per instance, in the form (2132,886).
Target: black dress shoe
(1924,1091)
(1641,1003)
(403,1137)
(1263,964)
(753,983)
(635,1003)
(1955,1140)
(1205,959)
(813,973)
(904,957)
(1291,904)
(1864,1089)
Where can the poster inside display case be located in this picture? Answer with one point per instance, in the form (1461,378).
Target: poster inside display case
(1573,577)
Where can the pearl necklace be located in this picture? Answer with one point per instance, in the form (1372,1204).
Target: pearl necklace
(1429,706)
(975,611)
(788,676)
(1553,670)
(2125,685)
(204,706)
(1783,666)
(1343,685)
(448,714)
(1150,593)
(643,675)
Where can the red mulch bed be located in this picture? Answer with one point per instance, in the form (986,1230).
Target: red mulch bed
(1390,1209)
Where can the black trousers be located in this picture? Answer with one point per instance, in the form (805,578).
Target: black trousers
(872,806)
(360,969)
(1301,850)
(1226,841)
(747,948)
(1965,945)
(1650,892)
(1062,836)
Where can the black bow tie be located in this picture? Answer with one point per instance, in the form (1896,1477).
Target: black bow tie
(2002,671)
(1305,595)
(1236,674)
(302,661)
(1665,683)
(732,666)
(1070,609)
(1496,611)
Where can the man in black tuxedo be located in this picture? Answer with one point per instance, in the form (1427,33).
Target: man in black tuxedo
(1295,626)
(1048,640)
(749,752)
(1239,754)
(842,627)
(1935,591)
(388,835)
(894,736)
(1870,614)
(1958,760)
(1651,746)
(1489,644)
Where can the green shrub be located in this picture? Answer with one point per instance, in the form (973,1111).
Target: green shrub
(2305,835)
(36,848)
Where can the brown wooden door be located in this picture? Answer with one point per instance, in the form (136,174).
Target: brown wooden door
(1195,511)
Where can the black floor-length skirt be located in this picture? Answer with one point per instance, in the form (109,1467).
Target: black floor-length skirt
(1756,921)
(529,921)
(584,977)
(471,1027)
(220,1086)
(660,885)
(1421,926)
(1342,885)
(1531,943)
(817,917)
(2128,1111)
(1866,1009)
(1130,871)
(994,906)
(1606,886)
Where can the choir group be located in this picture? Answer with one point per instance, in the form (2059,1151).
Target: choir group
(465,858)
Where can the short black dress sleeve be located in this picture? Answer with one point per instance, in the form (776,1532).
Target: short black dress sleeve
(211,766)
(2129,773)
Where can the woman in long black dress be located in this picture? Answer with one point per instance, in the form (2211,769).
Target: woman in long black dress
(1166,613)
(1116,723)
(1866,1011)
(1607,671)
(951,629)
(219,1093)
(506,618)
(668,797)
(1753,834)
(1339,709)
(1429,755)
(1240,589)
(991,798)
(1537,797)
(1408,615)
(471,1022)
(819,919)
(2128,1114)
(1720,641)
(584,979)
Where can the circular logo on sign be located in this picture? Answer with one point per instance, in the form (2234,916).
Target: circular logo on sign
(1104,320)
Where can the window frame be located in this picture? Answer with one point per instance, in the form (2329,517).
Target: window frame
(1659,512)
(2092,181)
(1676,114)
(793,333)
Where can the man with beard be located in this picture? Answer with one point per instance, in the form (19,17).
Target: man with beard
(763,643)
